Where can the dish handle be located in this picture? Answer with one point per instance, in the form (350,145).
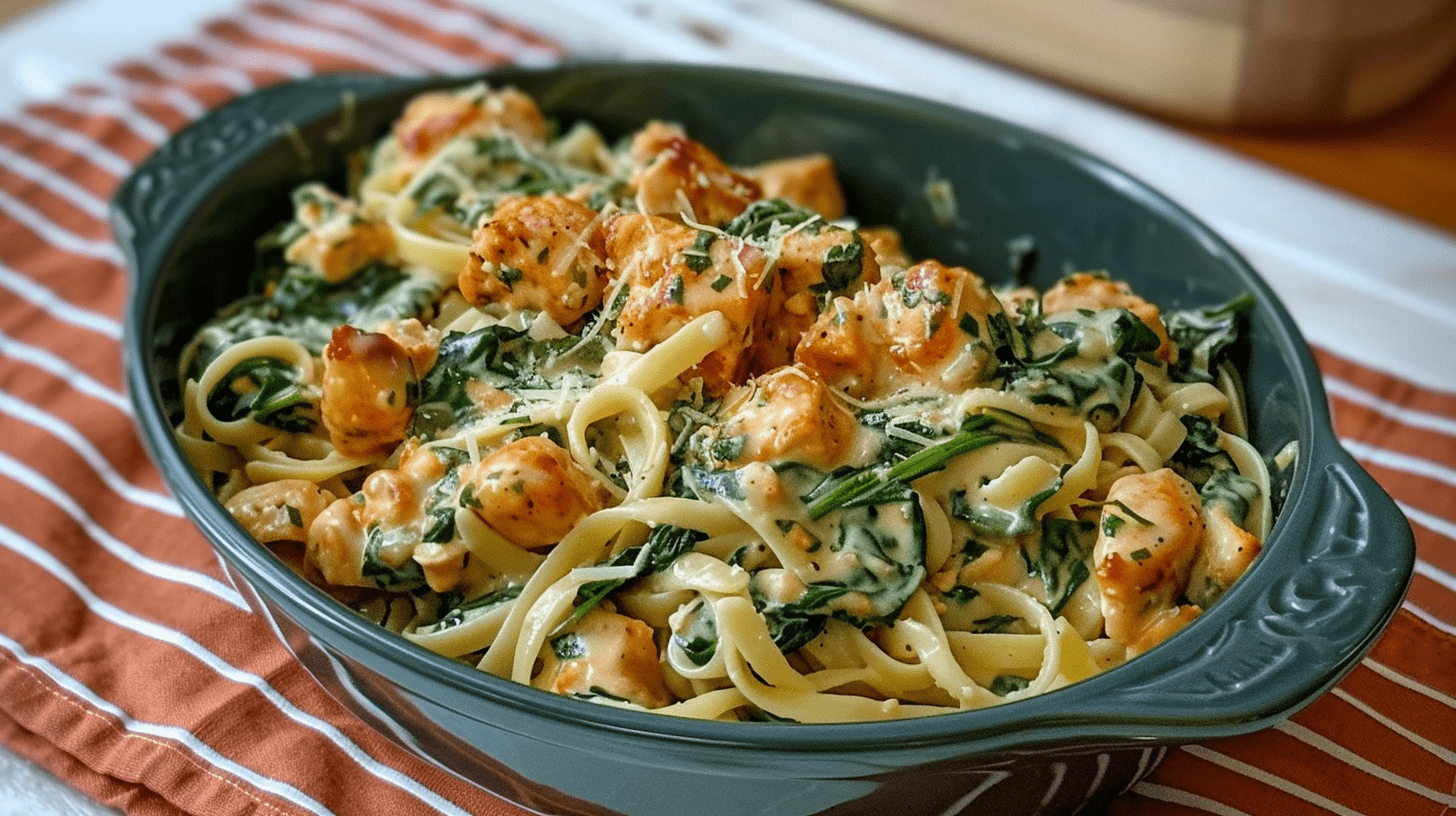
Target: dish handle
(148,207)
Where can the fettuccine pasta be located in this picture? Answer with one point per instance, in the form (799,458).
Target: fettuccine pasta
(629,424)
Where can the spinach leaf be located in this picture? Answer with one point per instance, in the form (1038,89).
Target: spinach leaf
(766,217)
(1200,456)
(497,355)
(375,293)
(1083,360)
(1060,558)
(1204,337)
(267,390)
(466,611)
(891,481)
(406,577)
(1227,489)
(663,546)
(990,519)
(697,634)
(892,446)
(305,307)
(886,566)
(792,626)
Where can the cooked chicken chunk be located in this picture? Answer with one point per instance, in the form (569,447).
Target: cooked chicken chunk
(611,653)
(676,273)
(540,253)
(788,415)
(672,172)
(530,491)
(808,181)
(432,119)
(931,324)
(366,381)
(1148,539)
(339,240)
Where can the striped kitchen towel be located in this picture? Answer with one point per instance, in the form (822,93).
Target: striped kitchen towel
(133,670)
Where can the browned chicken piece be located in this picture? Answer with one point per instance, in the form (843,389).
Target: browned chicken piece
(1148,540)
(530,491)
(365,384)
(928,324)
(339,240)
(279,511)
(808,181)
(888,249)
(675,273)
(813,266)
(432,119)
(612,653)
(672,171)
(394,501)
(788,415)
(336,545)
(935,306)
(1085,290)
(1227,552)
(540,253)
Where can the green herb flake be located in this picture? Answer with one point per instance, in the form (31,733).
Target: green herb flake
(468,499)
(569,646)
(843,264)
(1004,684)
(970,325)
(509,275)
(698,258)
(1140,555)
(721,283)
(1111,524)
(727,448)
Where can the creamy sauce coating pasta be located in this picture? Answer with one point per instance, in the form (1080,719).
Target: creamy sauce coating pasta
(629,424)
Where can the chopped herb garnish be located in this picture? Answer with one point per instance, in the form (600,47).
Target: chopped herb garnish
(569,646)
(468,499)
(1111,524)
(1004,684)
(509,275)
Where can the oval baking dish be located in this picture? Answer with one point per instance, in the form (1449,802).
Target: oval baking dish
(1331,575)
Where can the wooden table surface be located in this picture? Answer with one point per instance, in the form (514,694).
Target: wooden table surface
(1404,161)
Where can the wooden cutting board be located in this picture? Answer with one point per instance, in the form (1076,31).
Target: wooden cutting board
(1247,62)
(1383,130)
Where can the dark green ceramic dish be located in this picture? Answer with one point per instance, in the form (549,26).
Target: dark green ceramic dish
(1330,577)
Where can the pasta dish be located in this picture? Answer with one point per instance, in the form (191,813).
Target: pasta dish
(626,423)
